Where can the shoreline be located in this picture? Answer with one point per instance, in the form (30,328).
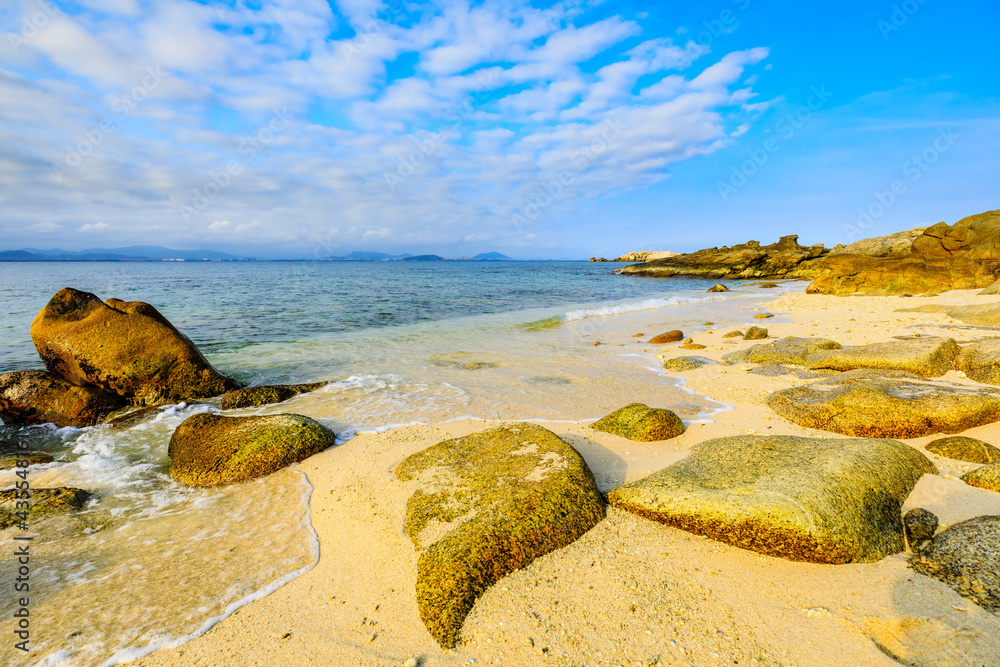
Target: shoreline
(630,589)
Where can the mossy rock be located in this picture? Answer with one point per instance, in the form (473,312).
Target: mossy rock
(733,334)
(966,556)
(254,397)
(808,499)
(641,423)
(212,449)
(45,503)
(926,356)
(126,348)
(681,364)
(980,361)
(987,477)
(674,336)
(39,397)
(755,333)
(965,449)
(788,350)
(11,461)
(886,404)
(718,288)
(486,505)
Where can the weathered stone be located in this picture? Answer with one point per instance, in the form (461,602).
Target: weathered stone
(843,275)
(965,449)
(11,461)
(755,333)
(986,477)
(39,397)
(980,361)
(253,397)
(718,288)
(486,505)
(126,348)
(681,364)
(212,449)
(44,504)
(641,423)
(693,346)
(788,350)
(809,499)
(767,285)
(976,237)
(733,334)
(926,356)
(966,556)
(920,526)
(763,316)
(899,244)
(886,404)
(668,337)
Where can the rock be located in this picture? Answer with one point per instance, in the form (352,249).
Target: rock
(44,504)
(788,350)
(980,361)
(641,423)
(10,461)
(965,449)
(966,556)
(126,348)
(755,333)
(899,244)
(688,341)
(718,288)
(808,499)
(733,334)
(253,397)
(976,237)
(681,364)
(991,290)
(39,397)
(597,259)
(486,505)
(645,256)
(763,316)
(919,526)
(886,404)
(980,315)
(212,449)
(669,337)
(926,356)
(843,275)
(131,417)
(767,285)
(987,477)
(693,346)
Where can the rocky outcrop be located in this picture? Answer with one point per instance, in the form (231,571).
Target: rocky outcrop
(212,449)
(788,350)
(641,423)
(843,275)
(966,556)
(980,315)
(45,503)
(126,348)
(645,256)
(486,505)
(965,449)
(253,397)
(894,245)
(976,237)
(886,404)
(39,397)
(980,361)
(987,477)
(807,499)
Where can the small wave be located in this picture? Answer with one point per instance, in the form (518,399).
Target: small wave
(648,304)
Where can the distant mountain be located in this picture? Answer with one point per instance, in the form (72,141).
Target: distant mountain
(364,256)
(491,255)
(424,258)
(129,253)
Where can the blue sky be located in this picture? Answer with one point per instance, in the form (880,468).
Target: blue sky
(279,128)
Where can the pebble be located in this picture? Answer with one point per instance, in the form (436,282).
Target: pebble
(410,662)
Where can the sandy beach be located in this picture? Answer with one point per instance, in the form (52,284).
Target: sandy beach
(630,591)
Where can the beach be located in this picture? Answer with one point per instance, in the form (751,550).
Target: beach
(630,591)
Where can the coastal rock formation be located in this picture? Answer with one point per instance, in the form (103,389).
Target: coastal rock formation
(254,397)
(641,423)
(980,361)
(919,526)
(992,290)
(645,256)
(126,348)
(980,315)
(965,449)
(486,505)
(212,449)
(680,364)
(926,356)
(986,477)
(808,499)
(10,461)
(44,504)
(842,275)
(788,350)
(38,397)
(966,556)
(976,237)
(899,244)
(886,404)
(669,337)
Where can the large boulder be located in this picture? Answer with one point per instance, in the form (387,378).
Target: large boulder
(966,556)
(925,356)
(986,477)
(641,423)
(44,504)
(961,448)
(212,449)
(788,350)
(39,397)
(486,505)
(808,499)
(981,361)
(843,275)
(126,348)
(254,397)
(976,237)
(886,404)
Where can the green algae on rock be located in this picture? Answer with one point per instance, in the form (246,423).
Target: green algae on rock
(680,364)
(965,449)
(126,348)
(966,556)
(212,449)
(986,477)
(755,333)
(641,423)
(39,397)
(44,504)
(886,404)
(821,500)
(254,397)
(486,505)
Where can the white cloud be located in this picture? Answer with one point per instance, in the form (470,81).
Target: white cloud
(93,227)
(220,225)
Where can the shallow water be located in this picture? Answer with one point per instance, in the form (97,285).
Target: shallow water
(151,562)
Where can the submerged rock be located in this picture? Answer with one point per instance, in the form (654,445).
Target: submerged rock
(681,364)
(668,337)
(44,504)
(254,397)
(11,461)
(755,333)
(641,423)
(919,526)
(486,505)
(886,404)
(980,361)
(965,449)
(987,477)
(966,556)
(212,449)
(39,397)
(718,288)
(809,499)
(126,348)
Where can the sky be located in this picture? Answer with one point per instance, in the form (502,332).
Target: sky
(308,128)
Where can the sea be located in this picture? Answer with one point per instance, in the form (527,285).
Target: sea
(150,563)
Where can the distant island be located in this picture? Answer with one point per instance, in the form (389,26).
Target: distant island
(136,253)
